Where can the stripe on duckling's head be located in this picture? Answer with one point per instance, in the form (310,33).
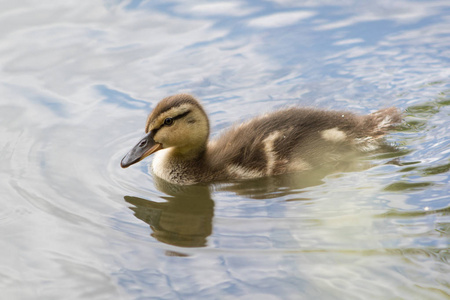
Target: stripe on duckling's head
(171,107)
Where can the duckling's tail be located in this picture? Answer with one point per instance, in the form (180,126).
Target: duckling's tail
(376,125)
(385,119)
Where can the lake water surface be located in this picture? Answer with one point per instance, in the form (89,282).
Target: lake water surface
(77,80)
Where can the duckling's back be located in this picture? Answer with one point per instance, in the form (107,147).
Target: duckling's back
(295,139)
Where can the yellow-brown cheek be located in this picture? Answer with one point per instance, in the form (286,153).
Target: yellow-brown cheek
(169,137)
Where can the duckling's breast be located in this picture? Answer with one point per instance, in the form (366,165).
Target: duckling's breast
(165,167)
(175,169)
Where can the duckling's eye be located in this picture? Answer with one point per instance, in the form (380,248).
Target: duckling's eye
(168,121)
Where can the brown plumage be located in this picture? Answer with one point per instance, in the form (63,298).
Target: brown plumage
(288,140)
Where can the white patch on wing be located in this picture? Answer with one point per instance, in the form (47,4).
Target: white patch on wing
(299,165)
(270,153)
(243,173)
(333,135)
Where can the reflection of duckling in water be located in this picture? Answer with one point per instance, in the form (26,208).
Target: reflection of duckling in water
(285,141)
(185,220)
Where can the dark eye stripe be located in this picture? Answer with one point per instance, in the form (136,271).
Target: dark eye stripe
(173,119)
(182,115)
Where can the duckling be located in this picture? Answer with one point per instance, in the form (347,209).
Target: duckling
(288,140)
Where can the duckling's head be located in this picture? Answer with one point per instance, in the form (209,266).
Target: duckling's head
(177,122)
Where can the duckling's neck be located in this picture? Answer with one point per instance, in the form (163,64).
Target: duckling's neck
(187,154)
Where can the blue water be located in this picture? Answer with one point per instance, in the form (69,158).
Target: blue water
(77,80)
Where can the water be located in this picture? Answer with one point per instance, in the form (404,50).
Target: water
(79,78)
